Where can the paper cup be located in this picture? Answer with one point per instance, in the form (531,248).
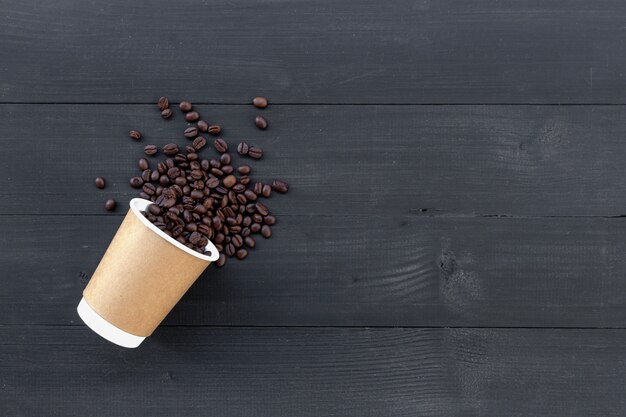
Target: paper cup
(140,278)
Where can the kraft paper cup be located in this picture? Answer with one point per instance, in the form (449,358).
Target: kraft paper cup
(140,278)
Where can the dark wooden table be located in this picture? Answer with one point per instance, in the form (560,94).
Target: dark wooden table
(453,243)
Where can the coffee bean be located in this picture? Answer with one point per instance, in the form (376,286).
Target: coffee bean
(220,145)
(189,149)
(180,181)
(149,189)
(170,149)
(249,241)
(191,132)
(232,197)
(258,188)
(255,152)
(280,186)
(110,205)
(244,169)
(191,227)
(227,169)
(221,261)
(250,208)
(170,163)
(250,195)
(266,231)
(164,103)
(192,157)
(146,175)
(217,172)
(212,182)
(197,174)
(247,221)
(255,227)
(136,182)
(100,182)
(260,122)
(225,159)
(143,164)
(266,191)
(164,180)
(243,148)
(229,250)
(134,134)
(269,220)
(229,181)
(180,158)
(162,167)
(215,129)
(150,150)
(185,106)
(196,194)
(259,102)
(202,126)
(245,180)
(222,190)
(192,116)
(199,143)
(242,253)
(166,114)
(239,188)
(237,241)
(257,218)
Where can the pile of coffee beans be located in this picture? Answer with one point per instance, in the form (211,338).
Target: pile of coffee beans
(196,200)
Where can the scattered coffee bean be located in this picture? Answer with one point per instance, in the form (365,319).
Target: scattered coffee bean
(280,186)
(255,227)
(166,114)
(185,106)
(260,122)
(229,181)
(150,150)
(199,143)
(249,241)
(266,191)
(143,164)
(255,152)
(164,103)
(192,116)
(191,132)
(242,253)
(269,220)
(225,158)
(245,179)
(266,231)
(243,148)
(261,209)
(136,182)
(244,169)
(227,169)
(258,188)
(220,145)
(146,175)
(100,182)
(202,126)
(259,102)
(215,129)
(110,205)
(134,134)
(221,261)
(170,149)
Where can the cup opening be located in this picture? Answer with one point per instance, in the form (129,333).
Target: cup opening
(137,205)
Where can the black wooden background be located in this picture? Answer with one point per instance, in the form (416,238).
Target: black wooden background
(452,245)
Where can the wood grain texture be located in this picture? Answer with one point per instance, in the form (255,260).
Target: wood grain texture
(340,160)
(312,372)
(359,51)
(353,270)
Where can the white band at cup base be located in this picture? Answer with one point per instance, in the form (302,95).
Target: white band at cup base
(105,329)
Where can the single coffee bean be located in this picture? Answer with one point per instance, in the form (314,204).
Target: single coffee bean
(260,122)
(239,188)
(225,159)
(202,126)
(221,261)
(213,182)
(247,221)
(196,174)
(154,209)
(194,237)
(192,157)
(136,182)
(215,163)
(185,106)
(232,197)
(180,158)
(259,102)
(266,231)
(134,134)
(164,103)
(170,163)
(220,145)
(243,148)
(245,179)
(237,241)
(257,218)
(189,149)
(162,167)
(280,186)
(217,172)
(215,129)
(180,181)
(204,164)
(258,188)
(244,169)
(222,190)
(250,208)
(250,195)
(164,180)
(192,116)
(150,150)
(191,227)
(199,143)
(261,209)
(170,149)
(196,194)
(100,182)
(255,227)
(269,220)
(229,181)
(249,241)
(146,175)
(155,175)
(227,169)
(191,132)
(242,254)
(255,152)
(173,172)
(166,114)
(149,189)
(110,205)
(143,164)
(266,191)
(229,250)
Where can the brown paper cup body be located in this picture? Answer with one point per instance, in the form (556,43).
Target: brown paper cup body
(141,277)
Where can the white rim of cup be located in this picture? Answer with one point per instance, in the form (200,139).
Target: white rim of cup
(137,205)
(105,329)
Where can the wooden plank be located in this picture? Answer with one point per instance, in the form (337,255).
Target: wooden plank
(353,270)
(365,51)
(311,372)
(340,160)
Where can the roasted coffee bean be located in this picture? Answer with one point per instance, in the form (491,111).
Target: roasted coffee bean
(227,169)
(250,195)
(195,237)
(219,238)
(237,241)
(191,132)
(259,102)
(225,158)
(159,200)
(244,169)
(217,172)
(242,254)
(220,145)
(164,103)
(269,220)
(196,174)
(199,143)
(245,180)
(213,182)
(144,196)
(154,209)
(250,208)
(164,180)
(192,116)
(170,163)
(170,149)
(247,221)
(243,148)
(198,185)
(221,190)
(162,167)
(110,205)
(257,218)
(239,188)
(214,129)
(229,250)
(173,172)
(166,114)
(134,134)
(221,261)
(280,186)
(143,164)
(260,122)
(191,227)
(136,182)
(196,194)
(231,221)
(204,229)
(150,150)
(245,232)
(235,229)
(185,106)
(229,181)
(180,181)
(249,241)
(232,197)
(217,223)
(177,231)
(192,157)
(266,191)
(200,209)
(258,188)
(215,163)
(266,231)
(261,209)
(100,182)
(146,175)
(204,165)
(255,152)
(190,149)
(255,227)
(202,126)
(180,158)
